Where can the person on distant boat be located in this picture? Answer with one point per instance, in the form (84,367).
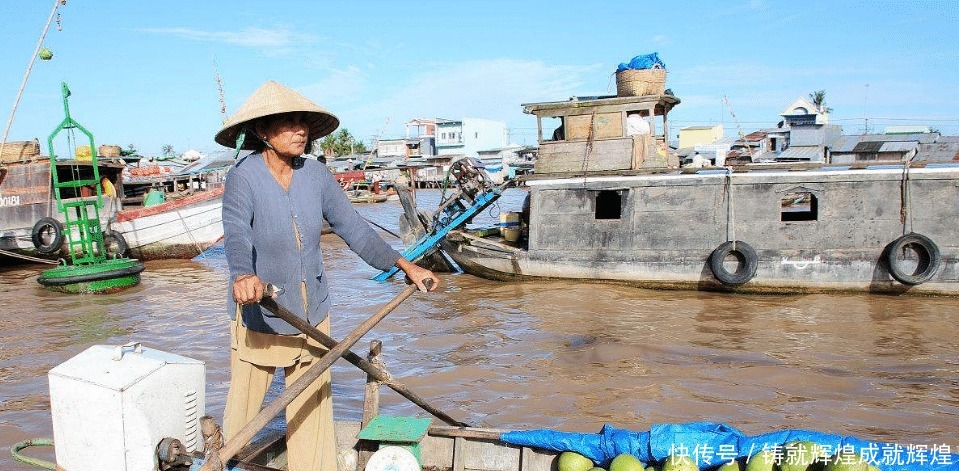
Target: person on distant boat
(559,134)
(274,205)
(107,187)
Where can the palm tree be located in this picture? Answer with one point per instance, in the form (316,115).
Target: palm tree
(167,150)
(818,98)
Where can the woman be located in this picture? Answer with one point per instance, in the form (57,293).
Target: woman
(273,209)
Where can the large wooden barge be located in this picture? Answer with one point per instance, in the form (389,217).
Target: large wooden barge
(607,206)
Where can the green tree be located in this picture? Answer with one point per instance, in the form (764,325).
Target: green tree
(341,143)
(167,151)
(818,98)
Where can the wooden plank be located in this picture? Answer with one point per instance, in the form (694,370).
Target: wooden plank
(466,432)
(490,244)
(371,405)
(437,451)
(459,455)
(568,157)
(605,126)
(537,460)
(485,455)
(371,400)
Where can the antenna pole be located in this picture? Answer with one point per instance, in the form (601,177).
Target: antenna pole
(865,101)
(219,87)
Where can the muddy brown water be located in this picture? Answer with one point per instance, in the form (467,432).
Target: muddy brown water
(561,354)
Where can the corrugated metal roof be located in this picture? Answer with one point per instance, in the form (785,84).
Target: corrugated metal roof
(846,144)
(869,147)
(922,138)
(939,152)
(802,153)
(767,156)
(899,146)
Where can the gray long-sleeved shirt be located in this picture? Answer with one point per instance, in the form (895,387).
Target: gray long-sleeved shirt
(259,236)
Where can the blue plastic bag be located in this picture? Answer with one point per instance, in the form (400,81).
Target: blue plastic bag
(645,61)
(712,444)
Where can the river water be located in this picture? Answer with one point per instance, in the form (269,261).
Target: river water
(560,354)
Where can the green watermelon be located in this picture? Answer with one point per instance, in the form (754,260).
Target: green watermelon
(626,462)
(679,463)
(802,456)
(572,461)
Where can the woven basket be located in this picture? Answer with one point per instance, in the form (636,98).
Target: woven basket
(108,151)
(639,82)
(20,150)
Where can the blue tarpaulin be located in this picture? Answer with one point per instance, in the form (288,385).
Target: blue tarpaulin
(645,61)
(712,444)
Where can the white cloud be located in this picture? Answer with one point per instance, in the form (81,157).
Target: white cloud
(276,39)
(490,89)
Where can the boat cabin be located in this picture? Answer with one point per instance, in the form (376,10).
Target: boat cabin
(604,133)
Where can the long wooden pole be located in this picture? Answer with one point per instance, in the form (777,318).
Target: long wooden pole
(26,75)
(378,373)
(235,444)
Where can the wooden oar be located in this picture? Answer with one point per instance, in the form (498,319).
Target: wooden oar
(233,446)
(378,373)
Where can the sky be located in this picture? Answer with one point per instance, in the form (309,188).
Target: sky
(143,73)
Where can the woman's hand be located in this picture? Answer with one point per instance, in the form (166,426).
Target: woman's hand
(418,275)
(247,289)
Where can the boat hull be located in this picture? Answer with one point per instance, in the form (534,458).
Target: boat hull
(443,448)
(181,228)
(669,226)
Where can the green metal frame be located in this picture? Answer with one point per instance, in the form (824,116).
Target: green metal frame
(82,214)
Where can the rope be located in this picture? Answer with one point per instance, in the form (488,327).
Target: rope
(383,228)
(212,441)
(15,451)
(730,214)
(589,145)
(27,257)
(905,204)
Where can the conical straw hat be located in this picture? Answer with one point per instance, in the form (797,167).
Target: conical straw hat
(274,98)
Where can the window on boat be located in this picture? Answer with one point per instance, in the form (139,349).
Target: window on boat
(609,204)
(558,132)
(799,206)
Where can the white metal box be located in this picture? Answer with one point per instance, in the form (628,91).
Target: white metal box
(111,406)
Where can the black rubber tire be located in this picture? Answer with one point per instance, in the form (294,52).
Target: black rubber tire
(47,235)
(929,259)
(119,244)
(748,261)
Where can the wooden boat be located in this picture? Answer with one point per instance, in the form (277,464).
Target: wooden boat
(443,448)
(366,196)
(179,228)
(606,206)
(363,192)
(187,221)
(30,224)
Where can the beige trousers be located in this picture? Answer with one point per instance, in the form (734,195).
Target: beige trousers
(310,443)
